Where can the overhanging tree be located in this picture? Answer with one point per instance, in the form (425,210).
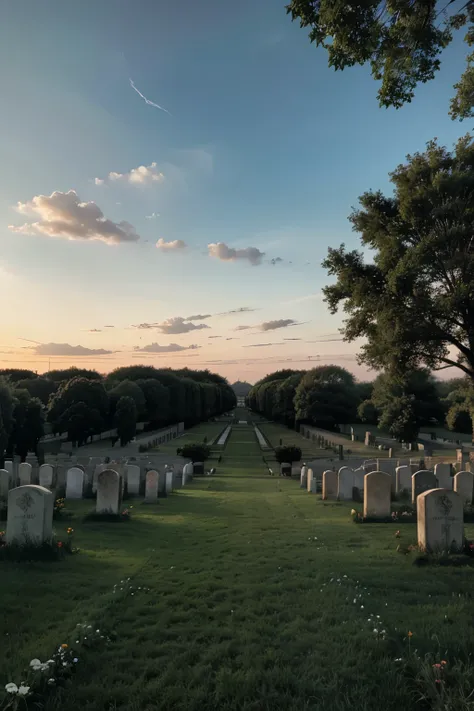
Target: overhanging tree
(126,419)
(402,41)
(413,301)
(326,396)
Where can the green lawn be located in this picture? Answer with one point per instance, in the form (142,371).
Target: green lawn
(259,597)
(196,434)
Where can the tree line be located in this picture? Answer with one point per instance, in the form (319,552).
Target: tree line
(329,396)
(83,403)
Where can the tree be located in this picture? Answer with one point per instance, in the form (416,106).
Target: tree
(196,451)
(284,397)
(6,414)
(288,453)
(401,40)
(126,419)
(15,374)
(157,401)
(401,405)
(241,388)
(326,397)
(80,421)
(28,423)
(59,376)
(127,388)
(42,388)
(414,301)
(92,394)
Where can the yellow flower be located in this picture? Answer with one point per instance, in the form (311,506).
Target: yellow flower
(353,512)
(70,530)
(64,646)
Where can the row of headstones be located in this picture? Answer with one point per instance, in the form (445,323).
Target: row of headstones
(30,507)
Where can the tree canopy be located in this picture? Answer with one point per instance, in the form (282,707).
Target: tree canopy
(126,419)
(414,300)
(326,396)
(402,40)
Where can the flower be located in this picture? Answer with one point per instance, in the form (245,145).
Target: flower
(60,544)
(23,690)
(69,531)
(64,646)
(11,688)
(36,664)
(75,660)
(410,634)
(397,534)
(436,666)
(443,661)
(353,512)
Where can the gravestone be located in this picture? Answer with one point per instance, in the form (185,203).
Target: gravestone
(462,457)
(30,515)
(133,479)
(368,439)
(329,484)
(403,480)
(169,482)
(423,480)
(10,467)
(440,521)
(311,482)
(46,473)
(109,490)
(443,476)
(285,469)
(464,485)
(74,483)
(345,484)
(98,469)
(4,483)
(377,492)
(340,451)
(24,473)
(151,486)
(304,477)
(359,475)
(187,473)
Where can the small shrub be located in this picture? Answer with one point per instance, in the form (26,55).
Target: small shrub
(108,516)
(30,551)
(289,453)
(196,451)
(58,509)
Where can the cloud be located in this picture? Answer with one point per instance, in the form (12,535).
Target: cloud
(260,345)
(170,246)
(231,339)
(242,328)
(179,325)
(276,260)
(171,348)
(65,349)
(143,175)
(64,215)
(147,101)
(153,216)
(109,326)
(93,330)
(199,317)
(292,339)
(279,323)
(214,336)
(241,310)
(229,254)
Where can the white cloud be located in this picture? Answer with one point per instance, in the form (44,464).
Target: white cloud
(198,317)
(143,175)
(65,349)
(147,101)
(99,181)
(242,328)
(171,348)
(228,254)
(279,323)
(179,325)
(170,246)
(153,216)
(64,215)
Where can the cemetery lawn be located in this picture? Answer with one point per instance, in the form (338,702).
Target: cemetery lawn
(258,598)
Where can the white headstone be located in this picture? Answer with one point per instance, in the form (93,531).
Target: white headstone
(188,470)
(311,483)
(109,490)
(24,474)
(440,521)
(169,482)
(4,483)
(403,478)
(133,479)
(46,473)
(359,475)
(98,469)
(74,483)
(377,493)
(10,467)
(464,486)
(151,486)
(304,476)
(30,515)
(422,480)
(345,484)
(329,484)
(442,473)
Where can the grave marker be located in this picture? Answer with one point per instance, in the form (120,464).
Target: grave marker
(24,473)
(46,473)
(109,489)
(443,475)
(377,493)
(133,479)
(464,485)
(345,484)
(329,484)
(30,515)
(151,486)
(440,521)
(74,483)
(304,477)
(403,481)
(422,480)
(4,483)
(169,482)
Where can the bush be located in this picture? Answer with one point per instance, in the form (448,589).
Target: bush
(196,451)
(289,454)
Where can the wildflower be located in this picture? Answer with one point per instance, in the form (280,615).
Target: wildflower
(443,661)
(75,660)
(397,534)
(64,646)
(398,660)
(23,690)
(60,545)
(11,688)
(436,666)
(35,664)
(51,681)
(353,512)
(376,631)
(70,530)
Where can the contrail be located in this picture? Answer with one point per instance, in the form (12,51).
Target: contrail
(147,101)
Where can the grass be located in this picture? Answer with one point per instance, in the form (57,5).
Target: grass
(254,603)
(195,434)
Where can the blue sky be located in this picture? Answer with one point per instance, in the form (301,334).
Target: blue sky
(264,146)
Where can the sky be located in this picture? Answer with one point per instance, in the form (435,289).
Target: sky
(172,175)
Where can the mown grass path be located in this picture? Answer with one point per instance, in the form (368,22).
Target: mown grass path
(259,599)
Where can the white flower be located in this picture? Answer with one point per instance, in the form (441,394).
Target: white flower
(75,660)
(23,690)
(378,617)
(51,681)
(97,631)
(384,632)
(376,631)
(11,688)
(361,607)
